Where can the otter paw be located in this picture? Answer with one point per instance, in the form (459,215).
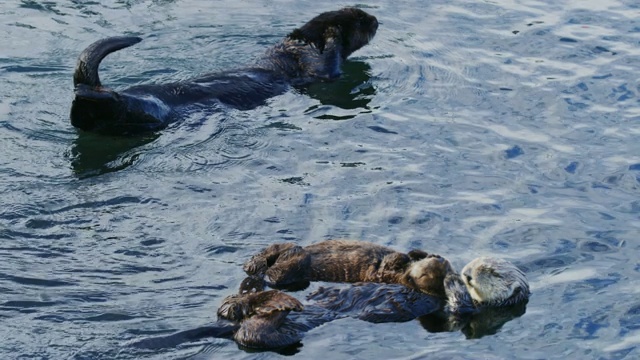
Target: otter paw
(332,33)
(257,265)
(416,254)
(252,284)
(232,308)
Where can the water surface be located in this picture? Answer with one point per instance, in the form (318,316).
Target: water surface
(466,128)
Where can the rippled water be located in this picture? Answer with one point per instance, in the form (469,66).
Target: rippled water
(466,128)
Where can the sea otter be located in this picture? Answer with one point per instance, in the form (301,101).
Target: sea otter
(495,292)
(288,265)
(484,283)
(314,52)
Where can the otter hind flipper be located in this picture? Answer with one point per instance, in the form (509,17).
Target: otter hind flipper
(86,71)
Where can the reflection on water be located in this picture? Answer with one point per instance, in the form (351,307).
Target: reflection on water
(474,326)
(93,154)
(352,91)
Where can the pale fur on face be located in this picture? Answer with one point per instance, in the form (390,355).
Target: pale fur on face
(492,281)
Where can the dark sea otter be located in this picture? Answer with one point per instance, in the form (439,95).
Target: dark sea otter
(314,52)
(291,266)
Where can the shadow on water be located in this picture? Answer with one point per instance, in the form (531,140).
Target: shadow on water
(93,154)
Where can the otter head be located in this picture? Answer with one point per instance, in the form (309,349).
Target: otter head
(352,28)
(495,282)
(427,275)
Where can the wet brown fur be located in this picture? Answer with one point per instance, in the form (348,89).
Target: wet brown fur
(288,264)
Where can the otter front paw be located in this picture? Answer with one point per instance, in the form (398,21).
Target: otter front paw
(416,254)
(234,308)
(331,34)
(257,265)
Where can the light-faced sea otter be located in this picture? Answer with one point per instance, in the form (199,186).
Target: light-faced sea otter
(314,52)
(288,265)
(494,292)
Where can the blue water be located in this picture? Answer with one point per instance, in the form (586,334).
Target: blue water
(466,128)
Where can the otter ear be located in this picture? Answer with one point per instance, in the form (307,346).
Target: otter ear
(416,254)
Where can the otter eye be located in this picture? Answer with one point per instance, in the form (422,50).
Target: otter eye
(469,278)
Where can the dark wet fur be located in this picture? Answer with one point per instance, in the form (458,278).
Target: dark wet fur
(377,303)
(314,52)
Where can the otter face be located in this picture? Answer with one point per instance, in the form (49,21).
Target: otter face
(495,282)
(352,28)
(427,275)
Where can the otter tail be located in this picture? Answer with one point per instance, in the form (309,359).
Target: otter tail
(86,72)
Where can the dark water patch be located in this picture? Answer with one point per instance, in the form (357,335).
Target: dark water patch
(109,317)
(281,125)
(334,117)
(56,319)
(514,152)
(601,49)
(380,129)
(132,253)
(171,279)
(34,69)
(351,164)
(152,242)
(35,281)
(115,202)
(601,77)
(631,320)
(89,297)
(601,283)
(221,249)
(296,180)
(551,262)
(26,26)
(19,211)
(136,269)
(571,168)
(594,246)
(395,220)
(588,327)
(19,305)
(608,236)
